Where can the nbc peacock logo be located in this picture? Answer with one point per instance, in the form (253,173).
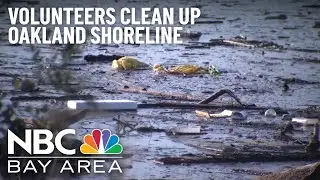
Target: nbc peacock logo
(101,142)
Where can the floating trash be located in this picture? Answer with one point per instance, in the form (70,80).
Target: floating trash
(181,69)
(213,70)
(306,121)
(102,104)
(186,130)
(225,113)
(186,69)
(239,115)
(128,63)
(270,113)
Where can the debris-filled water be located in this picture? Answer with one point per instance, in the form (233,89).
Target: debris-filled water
(266,52)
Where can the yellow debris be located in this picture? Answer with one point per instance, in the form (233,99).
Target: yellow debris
(181,69)
(127,63)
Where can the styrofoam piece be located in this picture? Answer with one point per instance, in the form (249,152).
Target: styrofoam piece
(187,130)
(224,113)
(306,121)
(115,105)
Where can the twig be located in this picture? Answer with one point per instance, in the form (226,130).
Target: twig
(220,93)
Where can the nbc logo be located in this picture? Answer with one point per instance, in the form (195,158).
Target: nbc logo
(101,142)
(98,142)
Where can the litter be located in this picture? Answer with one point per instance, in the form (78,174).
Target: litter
(239,115)
(306,121)
(128,63)
(186,130)
(103,104)
(186,69)
(270,113)
(225,113)
(181,69)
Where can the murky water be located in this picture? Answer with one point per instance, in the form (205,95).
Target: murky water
(253,76)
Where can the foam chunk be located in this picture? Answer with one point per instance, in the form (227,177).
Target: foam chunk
(115,105)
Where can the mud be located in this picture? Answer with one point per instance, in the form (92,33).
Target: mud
(305,172)
(255,74)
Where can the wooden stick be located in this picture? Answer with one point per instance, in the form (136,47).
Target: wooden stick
(176,96)
(209,106)
(220,93)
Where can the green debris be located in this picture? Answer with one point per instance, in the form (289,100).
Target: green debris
(25,85)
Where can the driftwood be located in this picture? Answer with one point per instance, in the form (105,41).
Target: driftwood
(176,96)
(240,157)
(58,98)
(243,42)
(179,96)
(231,42)
(132,88)
(201,104)
(210,106)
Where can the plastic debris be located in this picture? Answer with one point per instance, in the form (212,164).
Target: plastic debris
(128,63)
(181,69)
(225,113)
(239,115)
(186,130)
(306,121)
(185,69)
(103,104)
(213,70)
(270,113)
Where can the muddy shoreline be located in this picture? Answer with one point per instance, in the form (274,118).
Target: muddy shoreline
(267,51)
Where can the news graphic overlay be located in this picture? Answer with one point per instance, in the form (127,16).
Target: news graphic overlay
(101,142)
(41,147)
